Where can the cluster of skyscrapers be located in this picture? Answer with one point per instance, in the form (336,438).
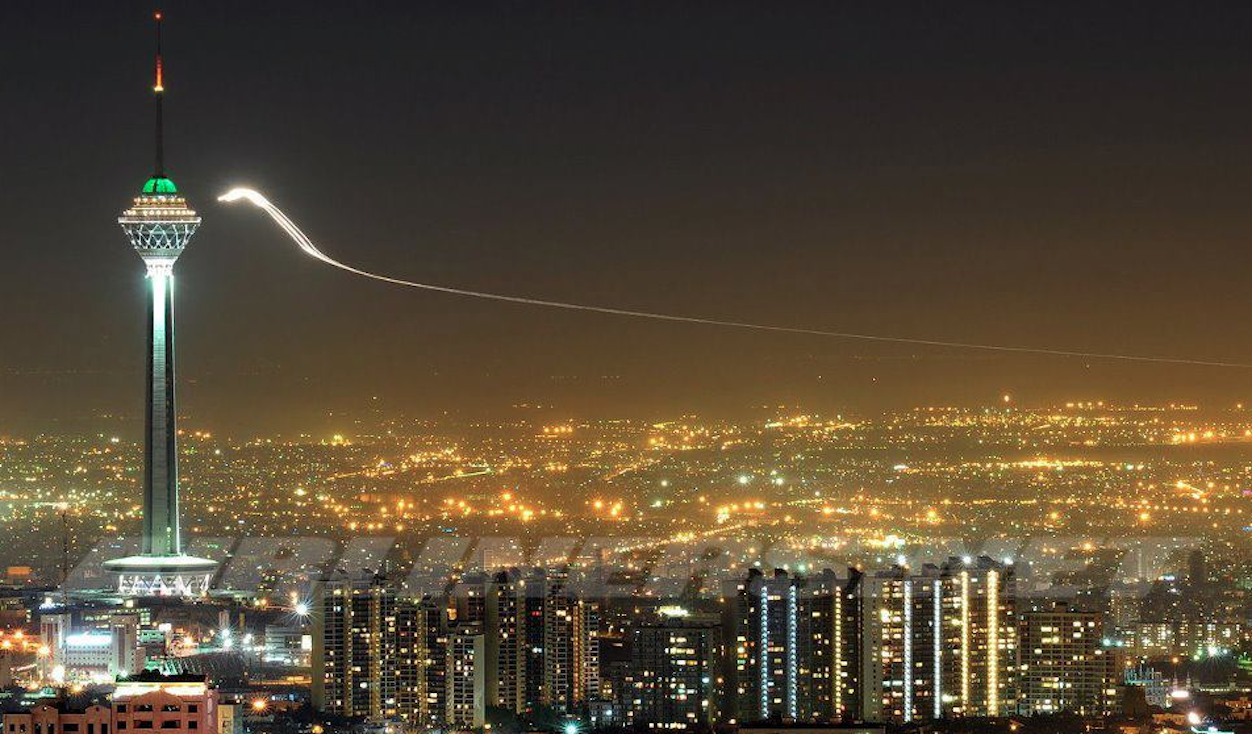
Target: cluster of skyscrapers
(895,645)
(498,640)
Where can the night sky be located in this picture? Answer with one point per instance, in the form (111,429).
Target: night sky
(1069,175)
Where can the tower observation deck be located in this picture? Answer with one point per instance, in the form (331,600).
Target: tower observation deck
(159,225)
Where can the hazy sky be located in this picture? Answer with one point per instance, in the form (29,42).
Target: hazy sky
(1072,175)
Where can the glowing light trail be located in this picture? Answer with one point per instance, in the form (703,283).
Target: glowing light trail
(259,201)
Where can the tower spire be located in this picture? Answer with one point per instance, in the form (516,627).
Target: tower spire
(158,90)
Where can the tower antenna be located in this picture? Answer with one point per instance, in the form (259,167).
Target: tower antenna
(158,90)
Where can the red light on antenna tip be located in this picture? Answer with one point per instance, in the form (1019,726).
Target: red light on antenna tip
(157,15)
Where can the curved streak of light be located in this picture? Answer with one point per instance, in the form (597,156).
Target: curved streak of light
(294,232)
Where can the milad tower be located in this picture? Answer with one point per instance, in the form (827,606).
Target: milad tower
(159,224)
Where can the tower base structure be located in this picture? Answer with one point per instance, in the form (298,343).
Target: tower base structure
(181,576)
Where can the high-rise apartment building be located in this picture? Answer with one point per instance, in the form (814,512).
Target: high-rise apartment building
(497,602)
(793,646)
(1065,663)
(979,616)
(355,650)
(903,648)
(571,661)
(467,674)
(674,672)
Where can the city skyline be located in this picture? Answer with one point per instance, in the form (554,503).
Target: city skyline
(620,368)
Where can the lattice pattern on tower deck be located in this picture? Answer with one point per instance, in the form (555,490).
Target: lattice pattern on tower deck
(159,235)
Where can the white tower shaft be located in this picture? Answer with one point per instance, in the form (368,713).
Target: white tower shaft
(161,535)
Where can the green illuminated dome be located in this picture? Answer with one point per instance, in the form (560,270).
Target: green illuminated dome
(160,186)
